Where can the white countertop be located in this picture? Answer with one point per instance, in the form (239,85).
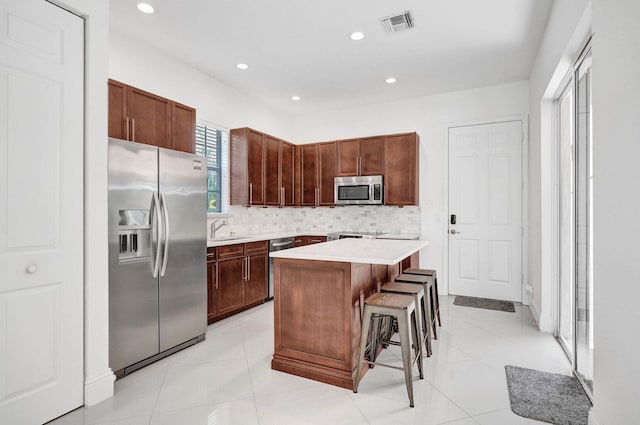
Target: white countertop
(261,237)
(367,251)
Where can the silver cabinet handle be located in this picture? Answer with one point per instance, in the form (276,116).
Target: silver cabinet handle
(165,213)
(248,269)
(155,220)
(278,244)
(453,231)
(250,193)
(282,196)
(133,129)
(359,165)
(127,129)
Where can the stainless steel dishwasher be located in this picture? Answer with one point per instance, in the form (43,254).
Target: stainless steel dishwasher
(277,245)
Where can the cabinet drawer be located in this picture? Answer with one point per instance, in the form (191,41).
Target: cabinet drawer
(256,247)
(228,251)
(211,254)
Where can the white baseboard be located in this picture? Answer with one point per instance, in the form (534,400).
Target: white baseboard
(98,388)
(545,323)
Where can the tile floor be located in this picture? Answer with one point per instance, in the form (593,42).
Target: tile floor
(227,379)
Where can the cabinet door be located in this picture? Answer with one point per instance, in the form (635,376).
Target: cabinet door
(150,118)
(256,285)
(371,156)
(271,171)
(327,172)
(309,174)
(183,128)
(212,279)
(348,152)
(238,157)
(118,125)
(401,169)
(287,169)
(255,166)
(230,284)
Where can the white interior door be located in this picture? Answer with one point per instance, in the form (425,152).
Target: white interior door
(41,211)
(485,193)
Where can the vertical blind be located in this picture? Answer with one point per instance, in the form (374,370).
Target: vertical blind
(209,145)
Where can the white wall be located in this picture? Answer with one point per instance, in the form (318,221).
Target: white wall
(98,376)
(430,117)
(143,67)
(567,31)
(616,158)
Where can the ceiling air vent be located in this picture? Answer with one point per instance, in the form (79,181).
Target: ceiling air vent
(398,22)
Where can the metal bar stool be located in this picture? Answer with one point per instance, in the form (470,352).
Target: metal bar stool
(423,312)
(427,284)
(434,276)
(403,309)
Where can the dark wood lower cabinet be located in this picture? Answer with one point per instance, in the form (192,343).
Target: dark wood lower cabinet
(238,279)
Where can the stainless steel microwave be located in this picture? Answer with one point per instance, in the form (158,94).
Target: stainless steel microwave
(358,190)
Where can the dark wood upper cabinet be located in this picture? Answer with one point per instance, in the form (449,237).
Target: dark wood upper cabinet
(309,165)
(255,164)
(118,119)
(372,156)
(263,167)
(139,116)
(150,118)
(272,186)
(401,154)
(327,158)
(360,157)
(246,155)
(287,173)
(183,128)
(348,152)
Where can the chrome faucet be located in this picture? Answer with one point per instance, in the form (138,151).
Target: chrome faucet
(215,227)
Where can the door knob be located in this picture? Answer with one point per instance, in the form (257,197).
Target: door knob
(32,269)
(453,231)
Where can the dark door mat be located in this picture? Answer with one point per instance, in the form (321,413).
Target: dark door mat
(485,303)
(547,397)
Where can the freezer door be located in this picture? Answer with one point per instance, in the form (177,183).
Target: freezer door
(133,244)
(183,274)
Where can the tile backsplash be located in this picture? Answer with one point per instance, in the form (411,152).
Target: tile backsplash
(254,220)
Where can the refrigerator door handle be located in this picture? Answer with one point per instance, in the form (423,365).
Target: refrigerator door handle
(155,225)
(165,213)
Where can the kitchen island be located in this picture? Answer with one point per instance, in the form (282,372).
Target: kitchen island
(319,295)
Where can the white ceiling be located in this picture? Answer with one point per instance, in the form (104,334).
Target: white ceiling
(298,47)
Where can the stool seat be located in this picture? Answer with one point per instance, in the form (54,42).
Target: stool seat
(412,278)
(424,272)
(389,301)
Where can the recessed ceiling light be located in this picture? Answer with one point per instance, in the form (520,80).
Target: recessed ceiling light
(242,66)
(390,80)
(356,36)
(296,98)
(145,8)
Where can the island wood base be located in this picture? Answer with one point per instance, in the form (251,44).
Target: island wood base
(317,310)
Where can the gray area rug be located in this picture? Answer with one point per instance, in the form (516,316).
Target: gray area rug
(485,303)
(547,397)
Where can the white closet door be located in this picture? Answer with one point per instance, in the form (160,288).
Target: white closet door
(41,211)
(485,194)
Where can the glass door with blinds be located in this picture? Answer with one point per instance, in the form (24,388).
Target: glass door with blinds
(575,242)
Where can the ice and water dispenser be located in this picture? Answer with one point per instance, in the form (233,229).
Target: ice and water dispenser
(134,234)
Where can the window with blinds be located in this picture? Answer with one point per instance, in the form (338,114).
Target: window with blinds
(209,142)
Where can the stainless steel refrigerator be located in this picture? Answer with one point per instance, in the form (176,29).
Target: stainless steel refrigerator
(157,253)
